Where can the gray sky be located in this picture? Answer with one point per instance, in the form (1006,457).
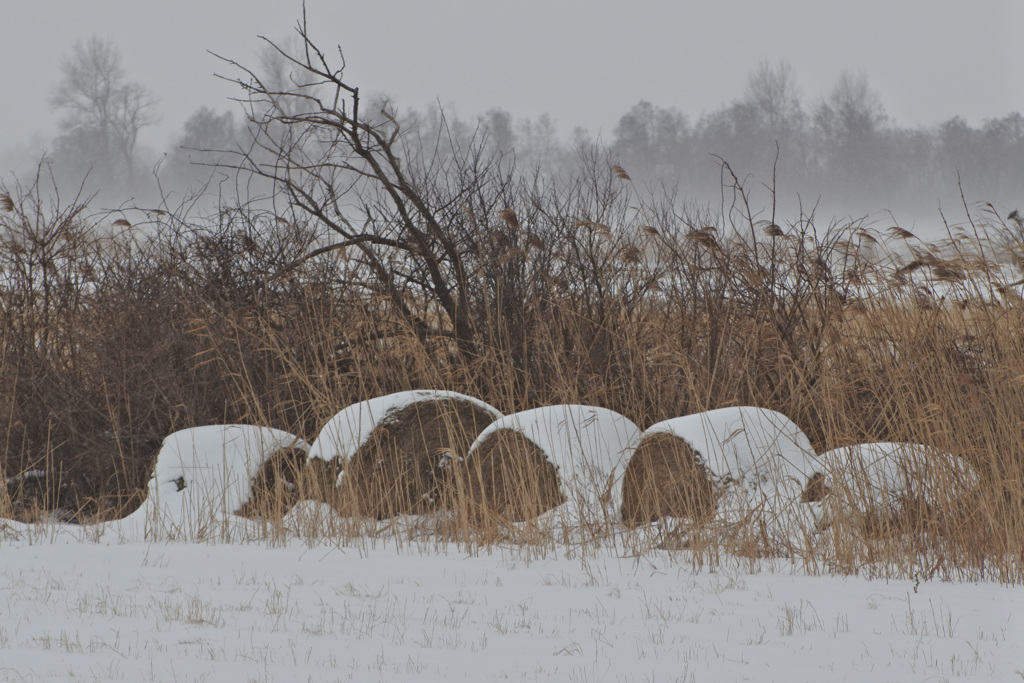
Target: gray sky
(584,63)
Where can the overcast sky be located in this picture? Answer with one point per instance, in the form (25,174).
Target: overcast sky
(583,62)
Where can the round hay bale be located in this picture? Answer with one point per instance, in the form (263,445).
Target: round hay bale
(507,477)
(585,449)
(885,488)
(664,478)
(740,461)
(395,453)
(204,476)
(275,488)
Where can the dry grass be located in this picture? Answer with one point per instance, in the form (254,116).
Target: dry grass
(110,341)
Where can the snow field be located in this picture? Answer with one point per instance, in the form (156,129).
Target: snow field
(82,610)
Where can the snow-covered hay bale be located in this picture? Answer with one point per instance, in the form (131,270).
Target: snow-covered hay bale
(394,454)
(666,478)
(275,488)
(536,460)
(730,463)
(886,488)
(509,477)
(38,495)
(204,476)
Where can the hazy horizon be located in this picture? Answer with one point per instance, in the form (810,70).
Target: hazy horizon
(583,64)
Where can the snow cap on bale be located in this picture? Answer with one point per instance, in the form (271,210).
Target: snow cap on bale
(586,447)
(204,475)
(735,460)
(886,486)
(394,454)
(352,427)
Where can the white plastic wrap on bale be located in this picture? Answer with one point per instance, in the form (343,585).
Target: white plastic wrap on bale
(881,475)
(759,461)
(589,445)
(349,429)
(203,475)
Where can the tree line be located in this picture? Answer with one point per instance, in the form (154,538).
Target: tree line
(842,150)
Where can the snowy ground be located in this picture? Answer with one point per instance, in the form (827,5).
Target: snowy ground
(74,608)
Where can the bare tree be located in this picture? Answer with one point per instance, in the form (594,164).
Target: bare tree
(103,111)
(852,112)
(773,94)
(204,141)
(401,211)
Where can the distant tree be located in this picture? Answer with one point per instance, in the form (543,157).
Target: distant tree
(498,124)
(774,99)
(537,144)
(957,147)
(983,162)
(652,141)
(1003,141)
(849,140)
(206,138)
(103,112)
(852,114)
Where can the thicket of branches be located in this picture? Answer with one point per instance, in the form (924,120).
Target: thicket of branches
(405,257)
